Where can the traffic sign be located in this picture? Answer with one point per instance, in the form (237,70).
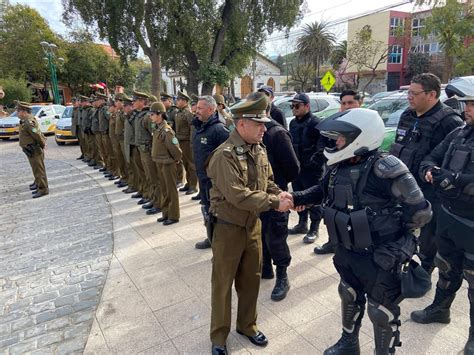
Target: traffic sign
(328,80)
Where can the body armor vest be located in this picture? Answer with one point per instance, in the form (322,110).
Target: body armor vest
(129,130)
(95,121)
(142,135)
(103,119)
(354,218)
(412,141)
(304,143)
(86,117)
(460,159)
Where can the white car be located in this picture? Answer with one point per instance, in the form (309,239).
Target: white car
(46,115)
(318,104)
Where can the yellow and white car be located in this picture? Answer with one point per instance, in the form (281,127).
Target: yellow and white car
(46,115)
(62,133)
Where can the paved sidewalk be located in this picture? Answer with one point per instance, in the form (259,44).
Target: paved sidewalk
(54,256)
(156,298)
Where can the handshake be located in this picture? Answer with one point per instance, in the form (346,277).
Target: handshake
(287,203)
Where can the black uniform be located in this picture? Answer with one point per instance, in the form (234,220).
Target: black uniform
(367,207)
(415,138)
(207,137)
(285,168)
(306,143)
(454,184)
(278,115)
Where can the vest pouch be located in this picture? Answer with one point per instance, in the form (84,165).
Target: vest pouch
(408,156)
(342,225)
(469,189)
(330,222)
(458,160)
(396,149)
(361,229)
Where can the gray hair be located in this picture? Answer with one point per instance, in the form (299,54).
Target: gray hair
(210,101)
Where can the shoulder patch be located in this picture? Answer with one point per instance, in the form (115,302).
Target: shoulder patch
(175,141)
(389,167)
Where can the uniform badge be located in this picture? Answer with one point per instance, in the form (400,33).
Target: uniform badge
(239,150)
(153,125)
(203,140)
(401,132)
(174,141)
(231,127)
(34,130)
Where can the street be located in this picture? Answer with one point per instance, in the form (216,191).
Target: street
(85,270)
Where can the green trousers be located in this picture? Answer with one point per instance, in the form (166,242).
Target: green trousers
(237,257)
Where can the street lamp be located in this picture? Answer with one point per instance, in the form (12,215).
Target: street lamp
(49,50)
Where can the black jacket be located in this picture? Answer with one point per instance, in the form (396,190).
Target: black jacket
(282,157)
(207,137)
(278,115)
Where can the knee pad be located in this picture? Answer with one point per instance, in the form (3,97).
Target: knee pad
(386,333)
(379,315)
(442,263)
(351,311)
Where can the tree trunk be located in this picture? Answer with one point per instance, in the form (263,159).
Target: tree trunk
(155,72)
(192,83)
(207,88)
(448,67)
(192,76)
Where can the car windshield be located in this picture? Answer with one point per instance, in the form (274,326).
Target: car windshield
(34,111)
(67,112)
(390,109)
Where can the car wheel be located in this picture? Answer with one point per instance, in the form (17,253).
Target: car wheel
(60,143)
(5,138)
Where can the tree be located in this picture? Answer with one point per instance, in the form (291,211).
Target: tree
(465,65)
(366,54)
(15,89)
(212,41)
(21,54)
(315,45)
(451,23)
(338,54)
(128,25)
(418,63)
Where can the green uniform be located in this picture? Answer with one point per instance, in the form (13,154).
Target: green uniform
(165,153)
(32,141)
(171,114)
(184,128)
(242,187)
(98,152)
(76,127)
(119,167)
(132,152)
(89,142)
(119,136)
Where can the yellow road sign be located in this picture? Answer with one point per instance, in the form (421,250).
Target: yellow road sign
(328,80)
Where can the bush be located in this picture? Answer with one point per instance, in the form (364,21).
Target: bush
(15,89)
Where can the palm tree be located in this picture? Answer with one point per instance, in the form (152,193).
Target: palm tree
(316,44)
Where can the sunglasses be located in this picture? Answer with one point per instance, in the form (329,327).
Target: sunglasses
(296,106)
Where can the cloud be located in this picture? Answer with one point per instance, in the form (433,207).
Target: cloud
(51,10)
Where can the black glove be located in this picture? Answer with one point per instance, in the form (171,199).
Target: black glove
(443,178)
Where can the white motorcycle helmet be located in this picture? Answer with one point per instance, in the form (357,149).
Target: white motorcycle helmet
(362,128)
(460,87)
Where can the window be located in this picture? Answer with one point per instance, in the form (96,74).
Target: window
(396,26)
(417,25)
(434,47)
(395,56)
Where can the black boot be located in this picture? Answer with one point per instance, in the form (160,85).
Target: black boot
(301,227)
(313,233)
(348,344)
(437,312)
(282,285)
(469,347)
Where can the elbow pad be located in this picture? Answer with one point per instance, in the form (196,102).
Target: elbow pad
(421,217)
(405,189)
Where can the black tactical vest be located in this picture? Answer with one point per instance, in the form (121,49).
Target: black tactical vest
(412,140)
(460,159)
(354,218)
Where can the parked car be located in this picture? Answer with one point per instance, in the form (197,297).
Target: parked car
(62,133)
(318,103)
(46,115)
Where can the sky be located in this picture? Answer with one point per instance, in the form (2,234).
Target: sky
(315,10)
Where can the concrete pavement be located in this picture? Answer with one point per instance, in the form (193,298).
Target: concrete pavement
(156,297)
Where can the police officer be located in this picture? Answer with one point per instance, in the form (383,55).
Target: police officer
(450,169)
(118,141)
(275,112)
(97,102)
(423,125)
(86,123)
(184,130)
(129,149)
(113,141)
(32,141)
(76,124)
(210,132)
(166,153)
(224,116)
(242,187)
(369,200)
(306,143)
(349,99)
(285,166)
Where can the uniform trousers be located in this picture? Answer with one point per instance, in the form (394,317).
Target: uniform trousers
(80,139)
(427,238)
(188,162)
(98,152)
(237,255)
(39,171)
(136,163)
(108,153)
(151,177)
(274,238)
(127,173)
(169,193)
(90,145)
